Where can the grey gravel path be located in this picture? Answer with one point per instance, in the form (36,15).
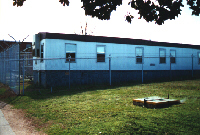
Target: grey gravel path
(5,128)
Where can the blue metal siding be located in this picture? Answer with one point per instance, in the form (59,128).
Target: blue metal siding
(52,78)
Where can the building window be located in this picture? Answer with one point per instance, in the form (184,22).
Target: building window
(198,56)
(100,53)
(173,56)
(139,55)
(42,53)
(70,50)
(162,55)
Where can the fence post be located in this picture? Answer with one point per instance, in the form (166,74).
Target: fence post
(142,70)
(38,78)
(4,68)
(23,76)
(0,68)
(10,73)
(110,67)
(19,67)
(170,67)
(11,53)
(192,65)
(69,70)
(15,68)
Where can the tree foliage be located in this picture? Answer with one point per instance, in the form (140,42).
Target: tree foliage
(18,2)
(100,8)
(151,10)
(166,9)
(195,6)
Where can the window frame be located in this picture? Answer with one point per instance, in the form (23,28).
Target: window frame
(136,57)
(71,60)
(162,57)
(101,53)
(172,57)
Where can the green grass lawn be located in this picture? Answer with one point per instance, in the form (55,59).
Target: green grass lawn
(2,90)
(110,110)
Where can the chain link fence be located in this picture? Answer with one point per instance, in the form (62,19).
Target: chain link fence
(57,74)
(9,67)
(62,74)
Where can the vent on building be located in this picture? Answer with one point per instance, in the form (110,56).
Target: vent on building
(152,64)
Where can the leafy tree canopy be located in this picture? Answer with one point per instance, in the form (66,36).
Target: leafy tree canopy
(151,10)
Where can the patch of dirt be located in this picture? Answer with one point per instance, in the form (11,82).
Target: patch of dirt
(7,93)
(16,118)
(20,124)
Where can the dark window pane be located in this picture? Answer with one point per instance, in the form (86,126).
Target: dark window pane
(199,60)
(41,57)
(72,56)
(162,59)
(42,48)
(100,57)
(173,60)
(138,59)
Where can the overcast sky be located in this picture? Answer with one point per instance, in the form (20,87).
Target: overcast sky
(50,16)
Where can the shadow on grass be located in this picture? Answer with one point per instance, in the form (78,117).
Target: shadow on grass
(8,96)
(38,92)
